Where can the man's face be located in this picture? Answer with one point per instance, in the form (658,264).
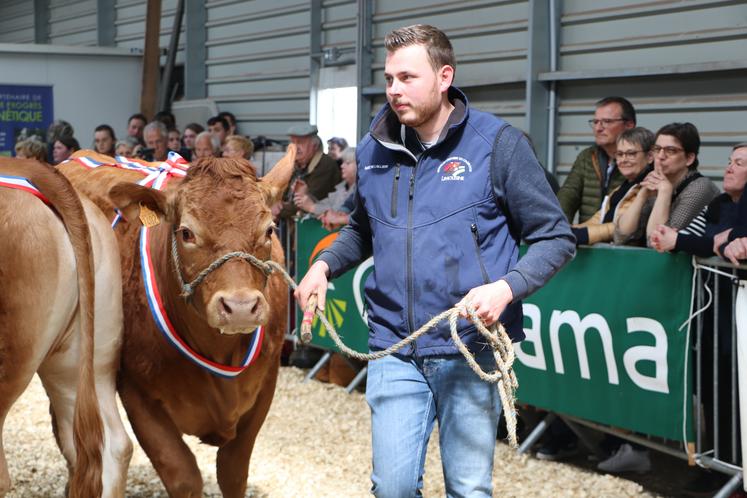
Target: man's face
(609,125)
(103,142)
(413,88)
(735,177)
(204,148)
(305,148)
(218,131)
(154,140)
(135,128)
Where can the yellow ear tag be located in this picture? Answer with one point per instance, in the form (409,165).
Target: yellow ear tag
(148,217)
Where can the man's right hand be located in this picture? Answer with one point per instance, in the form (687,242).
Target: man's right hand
(314,282)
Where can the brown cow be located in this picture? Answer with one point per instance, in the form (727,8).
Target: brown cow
(61,316)
(219,208)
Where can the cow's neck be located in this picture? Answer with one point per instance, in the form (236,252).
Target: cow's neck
(189,324)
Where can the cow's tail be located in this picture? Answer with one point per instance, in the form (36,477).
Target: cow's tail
(87,425)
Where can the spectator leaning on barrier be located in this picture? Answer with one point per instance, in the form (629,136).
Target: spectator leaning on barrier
(206,145)
(674,193)
(104,139)
(31,149)
(156,137)
(594,172)
(342,192)
(439,184)
(633,159)
(710,229)
(315,174)
(62,148)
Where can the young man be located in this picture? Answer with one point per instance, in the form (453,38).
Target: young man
(445,194)
(594,173)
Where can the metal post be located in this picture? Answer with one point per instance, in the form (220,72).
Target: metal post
(315,57)
(357,379)
(41,22)
(195,51)
(715,335)
(164,100)
(105,18)
(699,363)
(729,487)
(318,366)
(734,386)
(537,92)
(364,56)
(552,111)
(536,433)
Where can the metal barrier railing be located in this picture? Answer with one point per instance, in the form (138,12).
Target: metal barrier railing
(717,423)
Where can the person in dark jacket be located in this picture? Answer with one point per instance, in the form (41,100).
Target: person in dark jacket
(594,173)
(315,174)
(445,194)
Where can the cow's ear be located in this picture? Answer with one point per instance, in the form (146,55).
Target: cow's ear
(128,198)
(276,181)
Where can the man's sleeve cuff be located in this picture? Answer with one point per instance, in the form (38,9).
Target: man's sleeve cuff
(517,283)
(333,262)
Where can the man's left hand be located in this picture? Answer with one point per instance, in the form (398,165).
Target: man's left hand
(488,300)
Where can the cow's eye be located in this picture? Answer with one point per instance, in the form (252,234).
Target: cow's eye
(270,231)
(186,235)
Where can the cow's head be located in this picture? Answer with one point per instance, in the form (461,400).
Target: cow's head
(219,208)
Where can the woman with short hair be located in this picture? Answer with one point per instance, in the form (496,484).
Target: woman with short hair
(63,148)
(674,193)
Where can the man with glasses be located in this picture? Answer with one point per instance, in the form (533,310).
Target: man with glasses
(594,173)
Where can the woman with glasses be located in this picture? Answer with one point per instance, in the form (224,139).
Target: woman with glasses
(673,194)
(633,158)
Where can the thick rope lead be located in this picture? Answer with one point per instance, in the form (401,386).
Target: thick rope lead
(496,336)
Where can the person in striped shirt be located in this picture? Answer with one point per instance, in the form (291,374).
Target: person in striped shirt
(708,231)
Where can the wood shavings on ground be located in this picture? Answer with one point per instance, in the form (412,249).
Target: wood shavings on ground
(315,443)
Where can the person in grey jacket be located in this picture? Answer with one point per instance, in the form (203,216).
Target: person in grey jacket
(445,194)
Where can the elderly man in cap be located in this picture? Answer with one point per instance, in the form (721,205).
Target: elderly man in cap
(315,174)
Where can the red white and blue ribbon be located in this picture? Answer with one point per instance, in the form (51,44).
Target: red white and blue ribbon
(156,173)
(169,332)
(21,183)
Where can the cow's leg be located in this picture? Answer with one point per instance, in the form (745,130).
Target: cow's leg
(117,449)
(232,463)
(162,442)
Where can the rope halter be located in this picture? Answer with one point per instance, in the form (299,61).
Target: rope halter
(188,289)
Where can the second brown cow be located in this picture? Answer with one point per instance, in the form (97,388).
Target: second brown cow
(206,364)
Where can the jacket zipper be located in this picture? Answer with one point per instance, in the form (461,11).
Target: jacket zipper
(410,284)
(395,186)
(476,239)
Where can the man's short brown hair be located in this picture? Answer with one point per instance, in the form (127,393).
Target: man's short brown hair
(437,44)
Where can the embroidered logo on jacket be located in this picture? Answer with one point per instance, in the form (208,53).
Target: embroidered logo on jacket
(454,169)
(375,166)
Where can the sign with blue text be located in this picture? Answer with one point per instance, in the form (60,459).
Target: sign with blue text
(26,111)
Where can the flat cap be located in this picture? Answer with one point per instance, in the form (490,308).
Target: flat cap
(302,130)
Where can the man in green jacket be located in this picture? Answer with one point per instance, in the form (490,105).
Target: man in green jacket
(594,173)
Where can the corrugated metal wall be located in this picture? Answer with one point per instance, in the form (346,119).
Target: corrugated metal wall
(258,63)
(17,21)
(72,22)
(130,26)
(675,61)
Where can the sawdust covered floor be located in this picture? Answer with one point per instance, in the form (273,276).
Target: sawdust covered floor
(315,443)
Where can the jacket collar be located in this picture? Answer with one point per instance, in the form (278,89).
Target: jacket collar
(389,132)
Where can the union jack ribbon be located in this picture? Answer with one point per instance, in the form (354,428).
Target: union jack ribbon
(21,183)
(156,173)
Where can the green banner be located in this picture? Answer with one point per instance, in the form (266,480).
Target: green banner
(602,336)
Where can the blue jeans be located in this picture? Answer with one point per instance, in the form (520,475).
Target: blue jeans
(407,395)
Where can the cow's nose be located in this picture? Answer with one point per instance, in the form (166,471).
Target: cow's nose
(238,310)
